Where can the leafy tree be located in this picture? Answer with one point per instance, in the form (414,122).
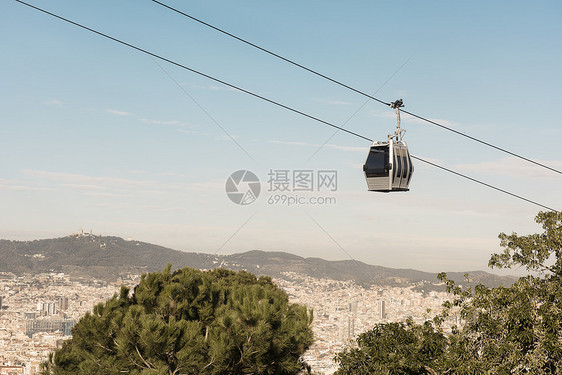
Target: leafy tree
(505,330)
(517,329)
(395,348)
(190,322)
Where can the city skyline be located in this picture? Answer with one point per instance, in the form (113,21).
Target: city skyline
(343,310)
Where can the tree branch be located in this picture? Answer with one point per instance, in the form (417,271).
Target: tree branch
(147,364)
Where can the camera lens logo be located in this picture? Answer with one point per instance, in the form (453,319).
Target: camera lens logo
(243,187)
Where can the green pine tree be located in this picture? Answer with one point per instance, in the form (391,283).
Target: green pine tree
(190,322)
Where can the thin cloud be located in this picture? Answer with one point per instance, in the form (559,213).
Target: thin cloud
(83,180)
(196,132)
(329,145)
(227,137)
(513,167)
(83,186)
(102,195)
(15,185)
(353,165)
(98,185)
(389,114)
(347,148)
(447,123)
(334,102)
(160,122)
(406,118)
(173,174)
(118,113)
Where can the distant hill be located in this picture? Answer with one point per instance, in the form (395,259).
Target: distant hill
(109,258)
(275,263)
(93,256)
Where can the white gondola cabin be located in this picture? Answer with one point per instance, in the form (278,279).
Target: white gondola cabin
(389,166)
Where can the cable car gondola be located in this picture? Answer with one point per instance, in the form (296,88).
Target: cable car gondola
(388,166)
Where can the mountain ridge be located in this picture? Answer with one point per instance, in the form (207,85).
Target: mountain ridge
(110,258)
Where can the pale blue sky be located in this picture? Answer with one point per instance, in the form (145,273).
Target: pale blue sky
(96,135)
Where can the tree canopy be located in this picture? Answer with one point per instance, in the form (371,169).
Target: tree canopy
(504,330)
(190,322)
(394,348)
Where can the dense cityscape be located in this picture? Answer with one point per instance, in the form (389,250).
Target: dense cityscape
(38,312)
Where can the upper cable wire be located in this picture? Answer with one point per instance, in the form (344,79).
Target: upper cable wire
(195,71)
(354,89)
(483,183)
(267,99)
(268,51)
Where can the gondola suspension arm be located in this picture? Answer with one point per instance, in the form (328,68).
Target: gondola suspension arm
(399,132)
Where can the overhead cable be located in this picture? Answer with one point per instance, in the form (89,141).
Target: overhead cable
(482,183)
(354,89)
(267,51)
(194,71)
(263,98)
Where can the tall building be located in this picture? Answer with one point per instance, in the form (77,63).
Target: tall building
(49,325)
(62,303)
(350,327)
(47,308)
(382,311)
(352,307)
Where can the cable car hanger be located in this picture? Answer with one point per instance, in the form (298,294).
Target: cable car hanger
(398,133)
(389,166)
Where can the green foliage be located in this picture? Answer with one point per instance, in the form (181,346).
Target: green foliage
(190,322)
(516,329)
(395,348)
(533,251)
(506,330)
